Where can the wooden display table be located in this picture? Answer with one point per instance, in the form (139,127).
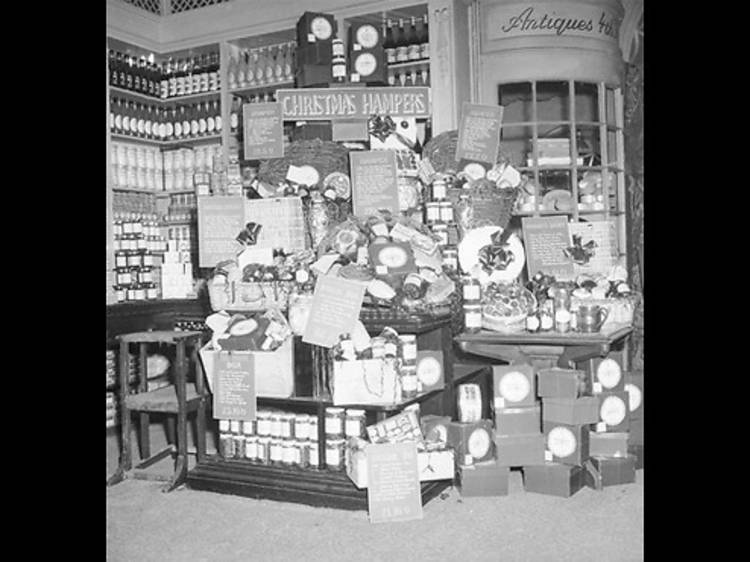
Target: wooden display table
(545,349)
(313,486)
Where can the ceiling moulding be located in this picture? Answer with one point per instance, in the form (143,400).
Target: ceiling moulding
(133,25)
(244,18)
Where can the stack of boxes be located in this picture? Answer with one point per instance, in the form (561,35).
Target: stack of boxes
(634,388)
(177,271)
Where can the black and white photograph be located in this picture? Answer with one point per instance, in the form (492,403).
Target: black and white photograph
(375,280)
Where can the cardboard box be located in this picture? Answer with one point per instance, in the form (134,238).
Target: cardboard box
(613,412)
(305,34)
(608,445)
(432,465)
(435,428)
(514,386)
(602,472)
(635,433)
(519,450)
(518,421)
(553,479)
(274,370)
(319,53)
(637,452)
(471,439)
(571,411)
(319,75)
(607,373)
(483,479)
(634,388)
(563,383)
(566,444)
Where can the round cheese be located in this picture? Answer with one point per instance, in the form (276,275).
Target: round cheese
(613,410)
(514,386)
(562,442)
(479,443)
(608,373)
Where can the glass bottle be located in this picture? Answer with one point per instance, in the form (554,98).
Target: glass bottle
(210,121)
(242,71)
(172,65)
(194,126)
(164,82)
(185,122)
(413,44)
(202,114)
(232,70)
(260,67)
(424,46)
(214,77)
(270,67)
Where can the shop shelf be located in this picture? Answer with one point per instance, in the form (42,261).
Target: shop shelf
(137,140)
(191,97)
(261,88)
(408,63)
(137,190)
(189,142)
(135,95)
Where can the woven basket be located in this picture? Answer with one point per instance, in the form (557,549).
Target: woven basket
(491,206)
(441,150)
(324,156)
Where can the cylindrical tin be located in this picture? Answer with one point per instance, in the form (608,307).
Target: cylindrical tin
(277,451)
(334,423)
(301,427)
(335,454)
(264,450)
(355,423)
(251,448)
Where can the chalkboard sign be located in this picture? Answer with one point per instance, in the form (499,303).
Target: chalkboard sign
(220,220)
(234,387)
(263,131)
(393,489)
(374,182)
(545,240)
(479,133)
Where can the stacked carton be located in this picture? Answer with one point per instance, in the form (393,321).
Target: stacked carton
(177,271)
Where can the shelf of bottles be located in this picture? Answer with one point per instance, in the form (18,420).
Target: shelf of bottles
(566,137)
(259,71)
(407,48)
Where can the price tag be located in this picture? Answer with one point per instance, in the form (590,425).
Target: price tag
(598,388)
(548,455)
(499,402)
(601,427)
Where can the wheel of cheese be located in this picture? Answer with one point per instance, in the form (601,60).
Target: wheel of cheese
(514,386)
(608,373)
(479,443)
(613,410)
(562,442)
(428,371)
(635,396)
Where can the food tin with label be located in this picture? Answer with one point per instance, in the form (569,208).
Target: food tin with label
(441,231)
(133,258)
(123,276)
(303,454)
(335,454)
(408,348)
(277,453)
(121,259)
(235,427)
(263,423)
(355,423)
(248,428)
(151,291)
(145,275)
(148,259)
(439,191)
(450,259)
(313,430)
(287,426)
(251,448)
(120,293)
(334,423)
(409,382)
(276,425)
(264,450)
(313,458)
(301,427)
(473,318)
(140,292)
(239,446)
(289,452)
(433,212)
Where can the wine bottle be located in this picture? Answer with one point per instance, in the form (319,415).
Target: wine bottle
(234,117)
(164,80)
(389,43)
(136,81)
(270,68)
(289,62)
(161,117)
(214,77)
(129,74)
(172,65)
(202,114)
(278,64)
(194,125)
(125,118)
(402,49)
(199,70)
(424,46)
(210,120)
(180,74)
(188,88)
(112,62)
(243,75)
(412,41)
(170,119)
(232,73)
(177,124)
(140,121)
(121,70)
(185,122)
(217,117)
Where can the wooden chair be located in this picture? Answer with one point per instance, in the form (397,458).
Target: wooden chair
(178,399)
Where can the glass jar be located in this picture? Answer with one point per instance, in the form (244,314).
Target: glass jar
(441,231)
(287,426)
(562,309)
(335,454)
(313,429)
(433,212)
(289,452)
(251,448)
(446,211)
(473,318)
(276,425)
(277,451)
(239,445)
(313,457)
(264,450)
(408,349)
(248,428)
(472,290)
(334,423)
(439,190)
(450,259)
(152,292)
(409,382)
(355,423)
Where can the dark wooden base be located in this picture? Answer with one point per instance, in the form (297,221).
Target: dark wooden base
(319,488)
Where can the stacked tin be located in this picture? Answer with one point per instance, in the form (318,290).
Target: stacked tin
(439,218)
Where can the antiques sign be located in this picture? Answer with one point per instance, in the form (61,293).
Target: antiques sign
(560,19)
(326,104)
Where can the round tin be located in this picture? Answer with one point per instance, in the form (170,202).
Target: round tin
(335,454)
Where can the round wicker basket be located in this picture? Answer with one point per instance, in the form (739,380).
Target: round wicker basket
(441,150)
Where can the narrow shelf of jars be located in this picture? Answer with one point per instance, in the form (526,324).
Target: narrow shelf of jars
(190,141)
(136,190)
(174,99)
(139,140)
(255,88)
(408,63)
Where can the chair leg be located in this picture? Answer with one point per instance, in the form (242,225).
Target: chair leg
(144,437)
(125,453)
(200,417)
(171,431)
(180,471)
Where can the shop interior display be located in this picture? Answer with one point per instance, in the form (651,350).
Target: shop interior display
(453,245)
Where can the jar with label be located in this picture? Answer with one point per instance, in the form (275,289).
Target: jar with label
(446,211)
(121,259)
(239,445)
(408,348)
(251,448)
(335,454)
(334,423)
(145,275)
(441,231)
(276,425)
(140,292)
(120,293)
(277,451)
(409,382)
(263,423)
(312,432)
(133,258)
(123,277)
(303,454)
(562,310)
(313,457)
(226,444)
(450,259)
(355,423)
(287,426)
(264,450)
(414,286)
(439,189)
(130,293)
(289,452)
(152,292)
(473,318)
(433,212)
(472,290)
(301,427)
